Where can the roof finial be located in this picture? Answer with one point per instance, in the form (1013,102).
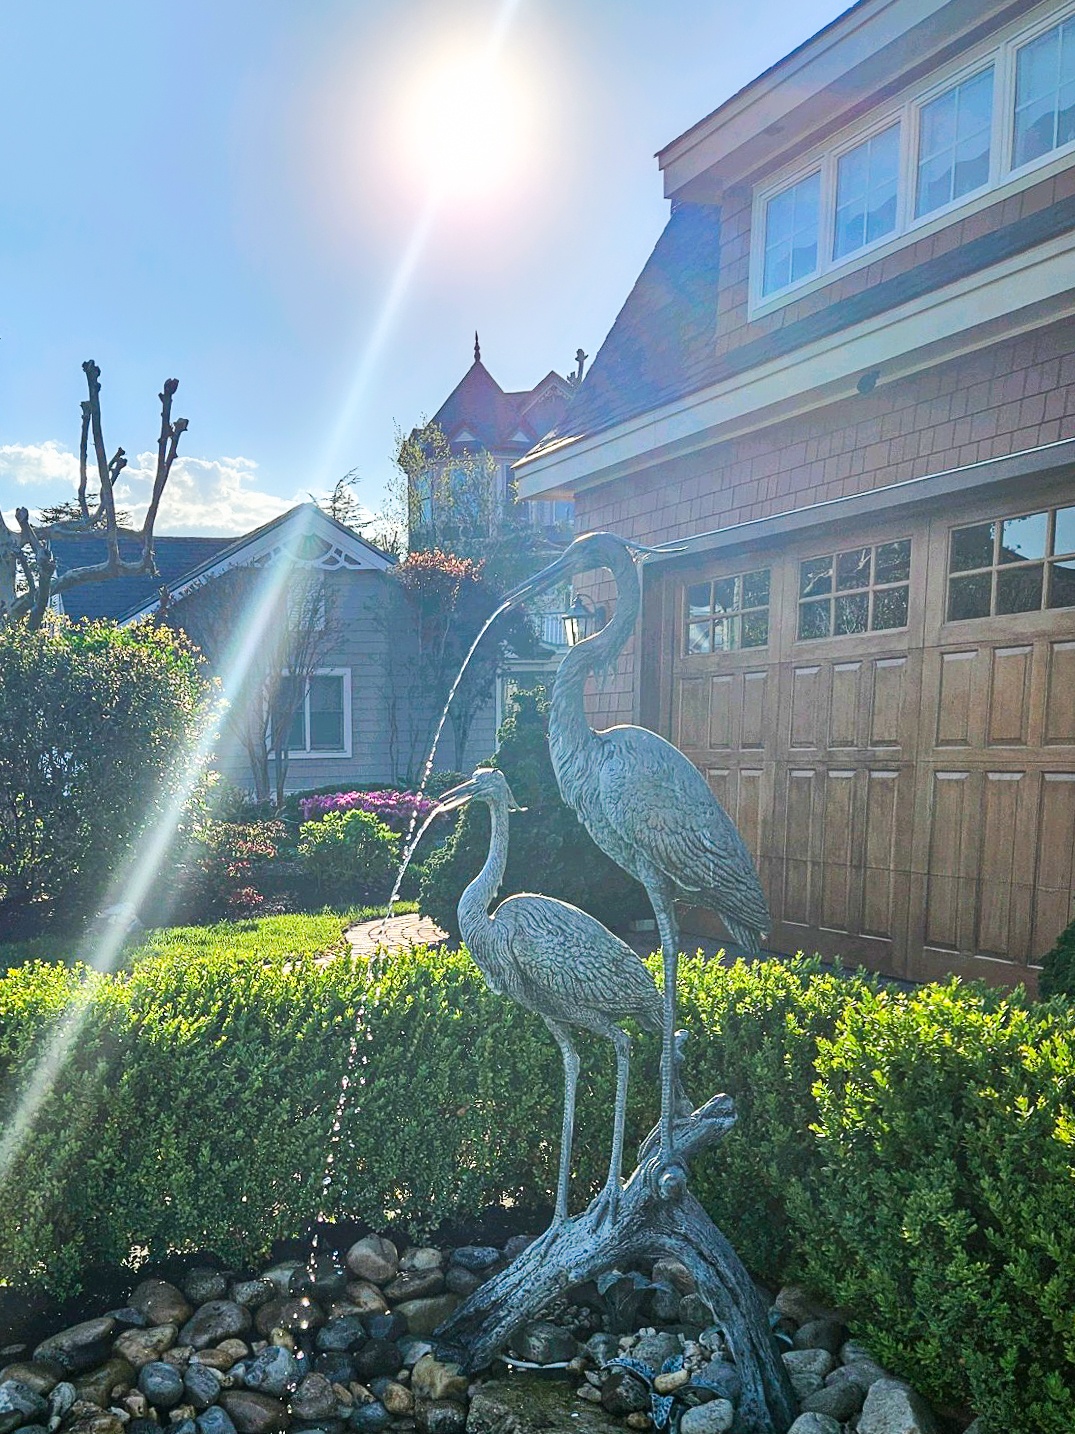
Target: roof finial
(477,348)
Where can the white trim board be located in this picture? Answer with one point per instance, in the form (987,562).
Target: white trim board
(1004,300)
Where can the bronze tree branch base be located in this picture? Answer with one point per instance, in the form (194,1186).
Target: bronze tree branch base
(655,1216)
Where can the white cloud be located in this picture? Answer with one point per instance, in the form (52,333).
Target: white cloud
(204,496)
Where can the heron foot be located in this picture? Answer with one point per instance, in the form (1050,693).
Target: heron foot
(545,1242)
(606,1206)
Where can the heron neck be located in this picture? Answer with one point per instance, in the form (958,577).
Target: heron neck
(473,909)
(570,734)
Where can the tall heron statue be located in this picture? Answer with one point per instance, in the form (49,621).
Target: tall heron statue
(560,963)
(641,800)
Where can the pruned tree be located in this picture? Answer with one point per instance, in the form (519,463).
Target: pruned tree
(28,577)
(296,628)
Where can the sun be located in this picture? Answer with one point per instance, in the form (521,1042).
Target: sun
(465,124)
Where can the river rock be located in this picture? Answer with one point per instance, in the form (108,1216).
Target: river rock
(370,1418)
(476,1258)
(440,1416)
(251,1293)
(296,1315)
(892,1408)
(314,1399)
(799,1304)
(839,1401)
(723,1378)
(214,1420)
(336,1365)
(423,1316)
(202,1284)
(374,1258)
(141,1346)
(19,1404)
(366,1297)
(542,1342)
(827,1334)
(281,1274)
(272,1371)
(523,1404)
(414,1285)
(438,1379)
(624,1393)
(863,1372)
(254,1413)
(694,1311)
(127,1317)
(97,1385)
(815,1424)
(397,1398)
(462,1282)
(654,1349)
(214,1321)
(62,1399)
(161,1303)
(716,1417)
(202,1384)
(79,1347)
(818,1362)
(40,1375)
(390,1325)
(377,1356)
(346,1333)
(161,1383)
(97,1421)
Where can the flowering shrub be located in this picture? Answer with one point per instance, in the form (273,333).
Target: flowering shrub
(395,809)
(218,872)
(352,854)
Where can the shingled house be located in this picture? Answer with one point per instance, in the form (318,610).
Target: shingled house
(846,377)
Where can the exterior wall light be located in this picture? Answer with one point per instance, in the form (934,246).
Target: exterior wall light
(582,620)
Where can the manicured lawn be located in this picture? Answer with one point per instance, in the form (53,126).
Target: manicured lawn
(299,935)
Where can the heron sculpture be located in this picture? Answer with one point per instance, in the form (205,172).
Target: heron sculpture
(560,963)
(641,800)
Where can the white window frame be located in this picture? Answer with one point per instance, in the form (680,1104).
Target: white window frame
(1000,52)
(298,754)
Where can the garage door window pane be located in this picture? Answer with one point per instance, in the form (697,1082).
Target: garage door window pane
(1022,538)
(890,608)
(969,597)
(972,548)
(1019,589)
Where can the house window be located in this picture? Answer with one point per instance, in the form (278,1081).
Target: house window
(728,613)
(954,143)
(791,234)
(867,179)
(985,124)
(1012,565)
(858,590)
(322,722)
(1044,94)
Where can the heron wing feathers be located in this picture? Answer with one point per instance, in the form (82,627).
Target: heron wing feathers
(662,805)
(563,953)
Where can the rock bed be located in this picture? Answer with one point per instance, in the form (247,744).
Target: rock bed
(341,1349)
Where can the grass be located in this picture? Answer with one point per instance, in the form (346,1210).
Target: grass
(297,935)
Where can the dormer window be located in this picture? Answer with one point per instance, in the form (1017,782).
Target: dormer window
(1045,94)
(791,234)
(991,123)
(954,143)
(867,181)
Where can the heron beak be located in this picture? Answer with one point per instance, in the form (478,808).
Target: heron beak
(457,796)
(548,577)
(642,551)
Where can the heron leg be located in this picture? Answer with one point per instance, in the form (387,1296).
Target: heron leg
(668,928)
(567,1134)
(607,1202)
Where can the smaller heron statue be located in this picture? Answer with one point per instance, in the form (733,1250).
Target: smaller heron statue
(560,963)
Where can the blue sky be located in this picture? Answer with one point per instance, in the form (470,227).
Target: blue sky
(237,194)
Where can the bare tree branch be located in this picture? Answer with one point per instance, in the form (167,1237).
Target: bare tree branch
(28,552)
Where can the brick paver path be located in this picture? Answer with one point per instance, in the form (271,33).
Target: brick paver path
(396,931)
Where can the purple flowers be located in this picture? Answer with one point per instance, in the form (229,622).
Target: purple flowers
(395,809)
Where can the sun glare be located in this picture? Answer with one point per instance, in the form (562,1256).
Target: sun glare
(465,122)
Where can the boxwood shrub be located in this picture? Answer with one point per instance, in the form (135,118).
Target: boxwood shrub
(909,1155)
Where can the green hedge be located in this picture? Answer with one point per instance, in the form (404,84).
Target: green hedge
(908,1155)
(1058,966)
